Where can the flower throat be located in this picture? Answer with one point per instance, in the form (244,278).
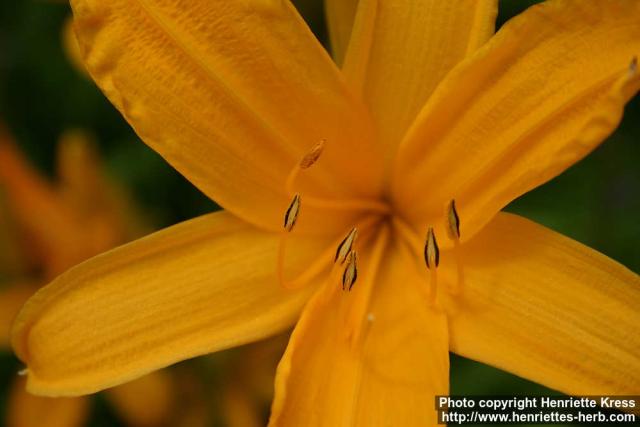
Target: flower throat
(344,270)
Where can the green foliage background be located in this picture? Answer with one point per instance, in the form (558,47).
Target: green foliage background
(596,202)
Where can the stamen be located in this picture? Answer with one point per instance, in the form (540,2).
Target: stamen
(23,372)
(309,160)
(453,221)
(350,274)
(344,249)
(306,162)
(432,259)
(431,250)
(454,233)
(291,215)
(319,264)
(359,317)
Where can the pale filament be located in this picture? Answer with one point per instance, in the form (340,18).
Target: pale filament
(416,245)
(333,283)
(357,318)
(425,291)
(320,263)
(457,254)
(291,215)
(433,288)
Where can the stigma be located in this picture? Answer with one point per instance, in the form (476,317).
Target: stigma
(345,255)
(313,155)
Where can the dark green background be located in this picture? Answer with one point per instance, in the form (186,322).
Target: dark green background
(596,202)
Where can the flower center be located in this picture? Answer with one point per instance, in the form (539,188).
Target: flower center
(344,268)
(309,160)
(345,254)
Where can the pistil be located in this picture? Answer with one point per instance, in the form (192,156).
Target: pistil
(310,159)
(307,161)
(345,251)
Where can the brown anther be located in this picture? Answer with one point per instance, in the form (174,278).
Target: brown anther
(345,247)
(453,221)
(350,274)
(291,215)
(312,156)
(431,250)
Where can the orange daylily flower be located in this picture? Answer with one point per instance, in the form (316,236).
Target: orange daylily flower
(82,214)
(431,126)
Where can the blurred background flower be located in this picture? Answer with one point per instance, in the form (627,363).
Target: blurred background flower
(49,226)
(54,226)
(44,93)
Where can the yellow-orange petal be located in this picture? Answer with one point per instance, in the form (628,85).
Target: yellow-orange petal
(390,378)
(12,298)
(26,410)
(233,95)
(543,93)
(409,48)
(547,308)
(340,14)
(194,288)
(146,402)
